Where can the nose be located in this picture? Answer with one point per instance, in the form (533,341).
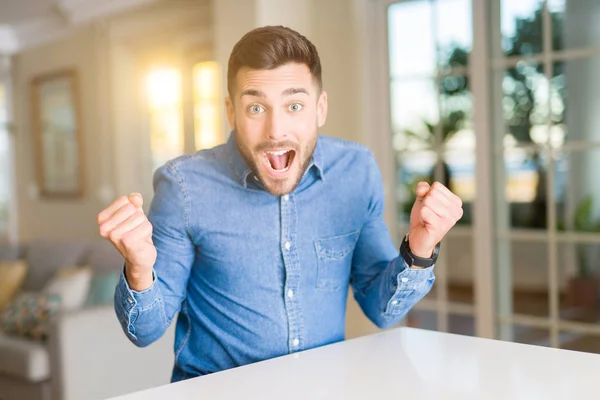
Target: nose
(275,126)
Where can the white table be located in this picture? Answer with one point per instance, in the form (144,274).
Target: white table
(403,363)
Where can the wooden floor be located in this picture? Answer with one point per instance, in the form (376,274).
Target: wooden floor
(526,303)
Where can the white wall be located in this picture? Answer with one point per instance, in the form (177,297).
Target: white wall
(334,33)
(108,57)
(59,218)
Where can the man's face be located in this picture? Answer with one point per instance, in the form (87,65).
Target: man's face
(276,115)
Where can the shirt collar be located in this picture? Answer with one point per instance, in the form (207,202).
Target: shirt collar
(243,172)
(237,162)
(317,159)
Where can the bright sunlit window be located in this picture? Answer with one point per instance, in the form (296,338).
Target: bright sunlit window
(163,90)
(207,125)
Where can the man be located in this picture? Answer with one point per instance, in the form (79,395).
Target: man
(255,242)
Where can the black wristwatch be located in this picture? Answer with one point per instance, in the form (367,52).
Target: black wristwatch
(411,259)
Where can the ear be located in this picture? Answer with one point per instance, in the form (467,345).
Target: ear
(322,109)
(230,112)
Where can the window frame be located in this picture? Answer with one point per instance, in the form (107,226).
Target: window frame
(492,275)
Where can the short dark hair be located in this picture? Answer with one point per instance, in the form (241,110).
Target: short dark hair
(270,47)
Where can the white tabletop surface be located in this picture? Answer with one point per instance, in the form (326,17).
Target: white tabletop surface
(402,363)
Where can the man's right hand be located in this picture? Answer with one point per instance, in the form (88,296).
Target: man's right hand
(125,225)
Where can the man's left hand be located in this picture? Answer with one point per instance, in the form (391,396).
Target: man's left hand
(435,211)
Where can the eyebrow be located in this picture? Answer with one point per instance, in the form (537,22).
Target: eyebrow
(253,92)
(291,91)
(261,94)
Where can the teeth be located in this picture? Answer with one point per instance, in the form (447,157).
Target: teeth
(278,153)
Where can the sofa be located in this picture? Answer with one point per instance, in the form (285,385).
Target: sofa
(85,355)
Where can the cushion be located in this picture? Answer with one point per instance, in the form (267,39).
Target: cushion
(72,285)
(29,315)
(45,257)
(102,288)
(12,275)
(24,359)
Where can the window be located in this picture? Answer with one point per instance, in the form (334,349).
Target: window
(433,138)
(430,96)
(542,59)
(206,105)
(165,95)
(163,88)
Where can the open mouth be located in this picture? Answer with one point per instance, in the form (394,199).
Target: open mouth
(279,161)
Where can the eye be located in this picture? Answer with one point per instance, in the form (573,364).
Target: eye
(256,109)
(295,107)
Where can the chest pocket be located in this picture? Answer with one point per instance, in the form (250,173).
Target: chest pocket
(334,258)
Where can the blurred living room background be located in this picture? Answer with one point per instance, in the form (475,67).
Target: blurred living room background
(497,99)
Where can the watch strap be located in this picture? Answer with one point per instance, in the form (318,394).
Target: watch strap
(412,259)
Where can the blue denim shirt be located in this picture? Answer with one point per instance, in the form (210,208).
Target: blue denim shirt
(251,276)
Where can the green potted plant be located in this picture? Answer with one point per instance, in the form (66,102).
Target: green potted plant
(583,290)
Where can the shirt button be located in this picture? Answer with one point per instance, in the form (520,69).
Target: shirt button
(286,197)
(404,280)
(296,342)
(287,245)
(290,293)
(394,302)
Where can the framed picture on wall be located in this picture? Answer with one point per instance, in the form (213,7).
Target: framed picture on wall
(56,124)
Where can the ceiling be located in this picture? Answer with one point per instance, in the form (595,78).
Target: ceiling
(26,23)
(16,11)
